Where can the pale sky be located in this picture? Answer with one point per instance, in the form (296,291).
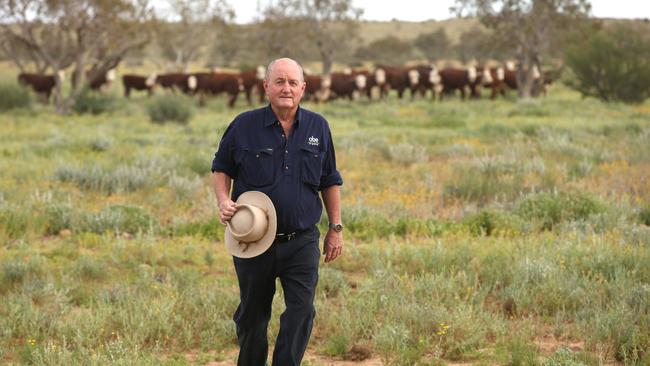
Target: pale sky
(420,10)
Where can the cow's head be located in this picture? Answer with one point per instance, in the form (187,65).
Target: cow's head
(191,82)
(501,73)
(380,76)
(434,76)
(151,80)
(326,81)
(487,76)
(471,74)
(260,72)
(360,81)
(414,76)
(110,75)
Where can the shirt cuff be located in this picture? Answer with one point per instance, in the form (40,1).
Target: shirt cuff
(217,167)
(331,180)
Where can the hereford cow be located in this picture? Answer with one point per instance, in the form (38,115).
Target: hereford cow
(99,82)
(317,88)
(215,83)
(186,83)
(394,77)
(138,82)
(347,84)
(460,79)
(495,81)
(253,80)
(423,78)
(41,84)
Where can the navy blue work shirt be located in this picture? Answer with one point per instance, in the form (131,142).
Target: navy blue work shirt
(255,153)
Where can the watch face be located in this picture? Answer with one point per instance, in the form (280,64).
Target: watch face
(337,227)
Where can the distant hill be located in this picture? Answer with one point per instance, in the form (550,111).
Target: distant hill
(373,30)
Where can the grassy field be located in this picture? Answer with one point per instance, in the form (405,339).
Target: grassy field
(476,233)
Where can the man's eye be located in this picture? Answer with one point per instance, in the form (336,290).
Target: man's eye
(293,83)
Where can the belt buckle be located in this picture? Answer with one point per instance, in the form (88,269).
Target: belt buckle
(291,235)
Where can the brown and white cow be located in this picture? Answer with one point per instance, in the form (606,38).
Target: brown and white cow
(99,82)
(186,83)
(215,83)
(347,84)
(137,82)
(463,80)
(317,88)
(423,78)
(394,77)
(41,84)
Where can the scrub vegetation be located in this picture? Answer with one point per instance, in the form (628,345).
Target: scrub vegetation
(477,232)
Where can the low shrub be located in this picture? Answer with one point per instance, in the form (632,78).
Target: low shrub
(120,218)
(484,180)
(644,216)
(490,222)
(549,209)
(14,222)
(90,102)
(209,229)
(171,108)
(14,96)
(58,217)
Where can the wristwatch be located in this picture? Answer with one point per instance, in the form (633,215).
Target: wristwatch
(336,227)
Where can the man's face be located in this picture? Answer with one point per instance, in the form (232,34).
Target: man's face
(284,87)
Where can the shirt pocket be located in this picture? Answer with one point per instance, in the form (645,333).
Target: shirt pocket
(312,166)
(257,168)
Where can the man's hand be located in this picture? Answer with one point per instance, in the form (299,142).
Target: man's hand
(333,245)
(227,208)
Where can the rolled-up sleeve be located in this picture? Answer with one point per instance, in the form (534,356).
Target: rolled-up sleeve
(224,158)
(330,175)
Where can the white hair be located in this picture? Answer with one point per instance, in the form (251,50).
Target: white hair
(269,69)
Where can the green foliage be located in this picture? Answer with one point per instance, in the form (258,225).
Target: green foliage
(57,217)
(613,65)
(331,282)
(565,357)
(122,179)
(388,50)
(434,45)
(549,209)
(485,180)
(91,102)
(170,108)
(491,222)
(14,96)
(644,216)
(14,221)
(518,352)
(119,218)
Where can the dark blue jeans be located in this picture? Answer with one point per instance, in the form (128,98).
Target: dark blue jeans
(295,262)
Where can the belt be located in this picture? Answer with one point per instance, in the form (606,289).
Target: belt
(282,237)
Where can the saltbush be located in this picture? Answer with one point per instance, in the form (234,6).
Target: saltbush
(549,209)
(14,96)
(58,217)
(171,108)
(644,216)
(612,65)
(491,222)
(120,218)
(93,103)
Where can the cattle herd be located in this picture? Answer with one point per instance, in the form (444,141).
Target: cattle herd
(422,80)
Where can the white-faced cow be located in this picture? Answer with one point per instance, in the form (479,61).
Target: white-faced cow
(215,83)
(317,88)
(186,83)
(463,80)
(138,82)
(347,84)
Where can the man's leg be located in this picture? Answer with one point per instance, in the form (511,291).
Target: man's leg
(298,271)
(256,278)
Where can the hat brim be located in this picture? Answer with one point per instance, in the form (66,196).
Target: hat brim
(261,200)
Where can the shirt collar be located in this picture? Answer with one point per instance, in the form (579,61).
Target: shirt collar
(270,118)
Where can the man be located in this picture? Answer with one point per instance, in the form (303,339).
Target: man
(286,152)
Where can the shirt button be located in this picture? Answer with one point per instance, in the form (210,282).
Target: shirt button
(257,155)
(286,151)
(286,167)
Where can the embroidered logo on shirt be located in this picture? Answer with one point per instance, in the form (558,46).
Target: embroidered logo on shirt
(313,141)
